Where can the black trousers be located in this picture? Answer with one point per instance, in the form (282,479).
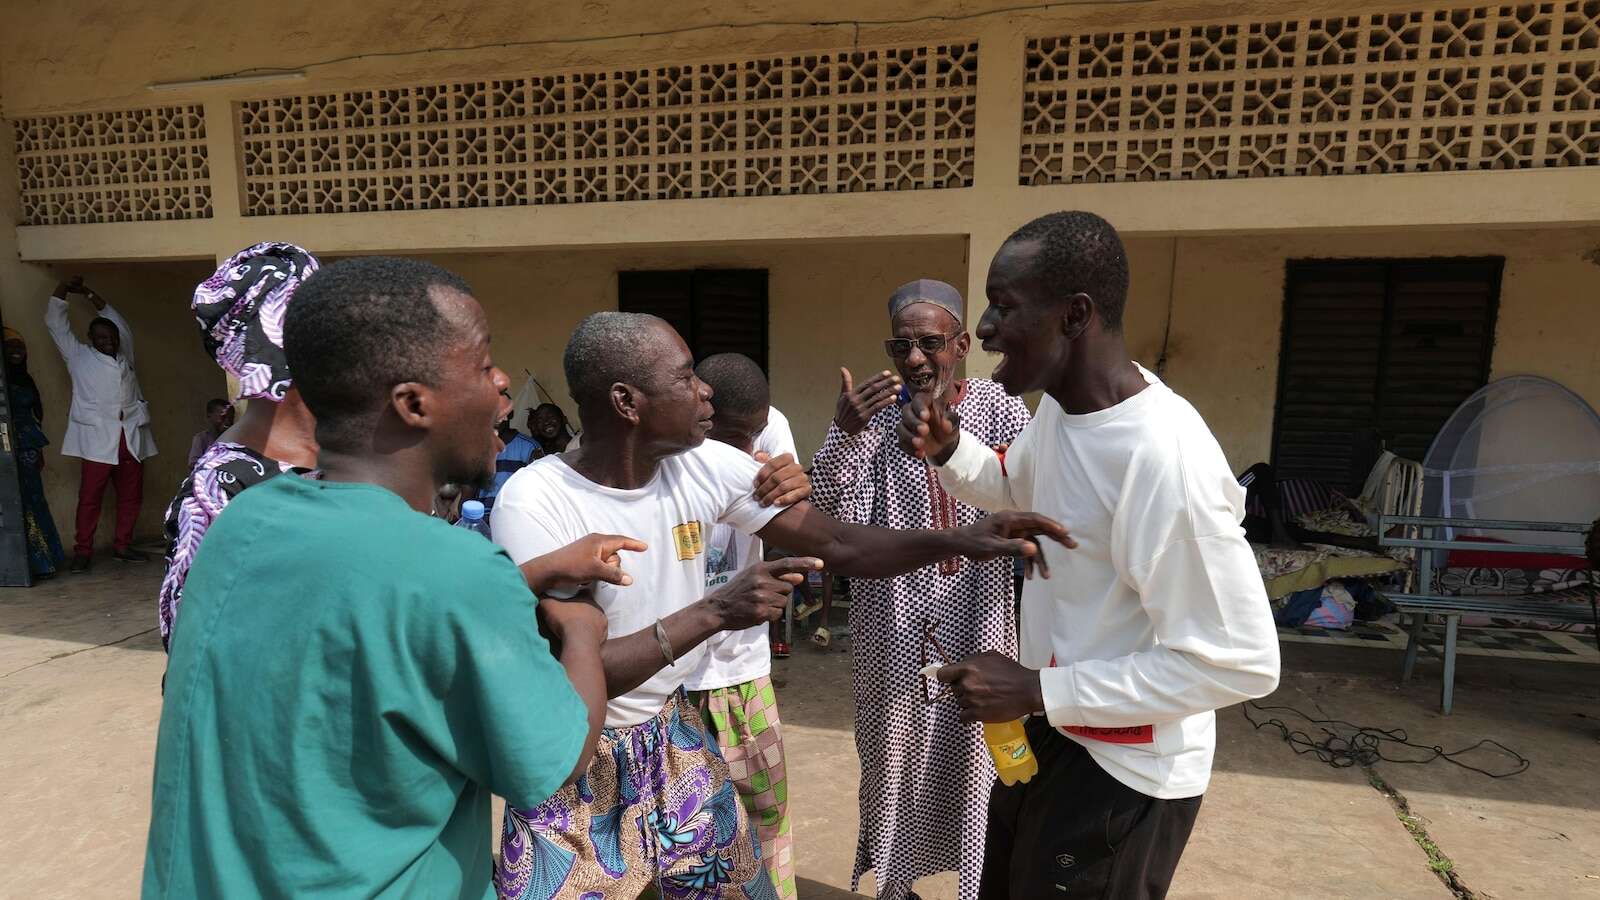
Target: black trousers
(1075,832)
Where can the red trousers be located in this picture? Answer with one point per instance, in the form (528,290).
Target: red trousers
(128,476)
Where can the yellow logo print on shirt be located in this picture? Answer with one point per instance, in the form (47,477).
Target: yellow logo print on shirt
(688,540)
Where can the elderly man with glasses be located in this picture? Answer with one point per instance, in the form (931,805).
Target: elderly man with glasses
(925,775)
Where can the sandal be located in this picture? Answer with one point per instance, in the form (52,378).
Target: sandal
(780,650)
(821,637)
(805,610)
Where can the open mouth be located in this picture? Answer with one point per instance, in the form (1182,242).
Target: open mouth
(999,368)
(921,382)
(502,420)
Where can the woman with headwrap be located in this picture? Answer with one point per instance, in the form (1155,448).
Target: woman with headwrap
(27,418)
(240,310)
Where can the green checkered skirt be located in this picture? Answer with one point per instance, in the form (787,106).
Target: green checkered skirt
(744,720)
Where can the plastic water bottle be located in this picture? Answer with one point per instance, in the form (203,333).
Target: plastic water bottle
(473,518)
(1013,756)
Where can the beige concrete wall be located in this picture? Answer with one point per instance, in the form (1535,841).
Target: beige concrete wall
(343,45)
(1228,313)
(826,303)
(76,54)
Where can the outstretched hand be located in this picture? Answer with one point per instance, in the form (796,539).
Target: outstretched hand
(596,557)
(1015,534)
(781,481)
(759,593)
(928,429)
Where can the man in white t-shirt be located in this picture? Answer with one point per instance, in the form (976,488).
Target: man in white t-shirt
(732,687)
(657,806)
(1158,619)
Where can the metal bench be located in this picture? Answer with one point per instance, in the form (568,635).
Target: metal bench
(1430,536)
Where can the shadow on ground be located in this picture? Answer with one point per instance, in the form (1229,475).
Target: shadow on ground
(114,602)
(816,890)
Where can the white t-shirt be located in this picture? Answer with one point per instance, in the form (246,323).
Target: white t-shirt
(735,657)
(1159,617)
(547,505)
(776,439)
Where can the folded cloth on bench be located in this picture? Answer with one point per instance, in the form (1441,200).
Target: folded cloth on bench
(1288,571)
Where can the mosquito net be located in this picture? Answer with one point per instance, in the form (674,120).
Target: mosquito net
(1524,449)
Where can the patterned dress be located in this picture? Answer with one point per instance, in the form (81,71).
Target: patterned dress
(44,543)
(222,471)
(925,777)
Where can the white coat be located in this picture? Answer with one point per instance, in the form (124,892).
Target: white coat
(106,401)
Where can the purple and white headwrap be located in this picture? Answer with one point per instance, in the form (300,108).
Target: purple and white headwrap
(240,310)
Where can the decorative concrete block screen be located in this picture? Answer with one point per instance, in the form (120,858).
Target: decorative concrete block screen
(1484,87)
(131,165)
(887,119)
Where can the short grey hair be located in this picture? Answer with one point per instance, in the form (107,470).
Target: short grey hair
(605,348)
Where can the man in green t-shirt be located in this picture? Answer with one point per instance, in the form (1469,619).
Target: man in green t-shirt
(335,722)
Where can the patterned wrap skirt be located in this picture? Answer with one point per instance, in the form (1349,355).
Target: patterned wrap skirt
(655,810)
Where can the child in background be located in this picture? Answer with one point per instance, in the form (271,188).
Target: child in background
(219,417)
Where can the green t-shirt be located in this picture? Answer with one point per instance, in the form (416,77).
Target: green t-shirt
(349,682)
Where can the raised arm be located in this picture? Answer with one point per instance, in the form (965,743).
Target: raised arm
(860,551)
(976,475)
(839,467)
(59,326)
(839,481)
(110,312)
(970,471)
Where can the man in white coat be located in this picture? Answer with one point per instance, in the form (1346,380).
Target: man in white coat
(108,426)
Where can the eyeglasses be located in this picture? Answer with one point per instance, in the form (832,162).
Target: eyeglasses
(933,690)
(900,348)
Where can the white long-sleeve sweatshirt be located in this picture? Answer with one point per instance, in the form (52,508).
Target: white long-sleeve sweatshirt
(1159,617)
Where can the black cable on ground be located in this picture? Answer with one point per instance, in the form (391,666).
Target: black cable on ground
(1345,744)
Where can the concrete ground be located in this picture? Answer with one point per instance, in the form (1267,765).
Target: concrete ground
(81,664)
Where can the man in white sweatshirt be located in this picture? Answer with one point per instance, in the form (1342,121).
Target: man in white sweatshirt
(1159,616)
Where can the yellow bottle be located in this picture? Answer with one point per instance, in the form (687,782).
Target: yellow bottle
(1013,757)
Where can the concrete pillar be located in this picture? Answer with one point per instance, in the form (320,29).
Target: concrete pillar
(1001,49)
(223,159)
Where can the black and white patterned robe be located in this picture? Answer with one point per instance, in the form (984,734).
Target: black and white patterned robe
(925,777)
